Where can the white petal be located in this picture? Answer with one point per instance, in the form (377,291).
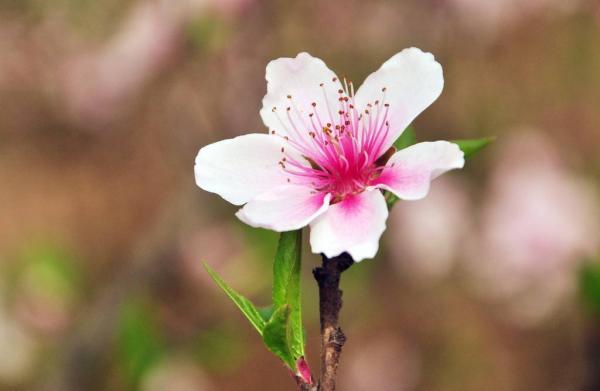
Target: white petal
(409,171)
(240,168)
(300,79)
(353,225)
(412,80)
(285,208)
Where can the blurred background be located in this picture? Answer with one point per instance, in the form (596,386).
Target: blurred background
(492,282)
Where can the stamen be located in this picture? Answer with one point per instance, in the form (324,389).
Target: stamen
(327,103)
(338,155)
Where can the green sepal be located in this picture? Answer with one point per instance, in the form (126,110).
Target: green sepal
(390,198)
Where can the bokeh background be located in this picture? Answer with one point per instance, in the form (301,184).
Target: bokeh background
(489,283)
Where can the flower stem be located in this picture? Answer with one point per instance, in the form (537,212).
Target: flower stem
(330,302)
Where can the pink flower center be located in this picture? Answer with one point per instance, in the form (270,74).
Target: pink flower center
(339,154)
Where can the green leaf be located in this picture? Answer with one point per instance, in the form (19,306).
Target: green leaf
(266,312)
(286,286)
(406,139)
(471,147)
(277,336)
(245,305)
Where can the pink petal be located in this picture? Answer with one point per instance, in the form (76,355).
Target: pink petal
(409,171)
(353,225)
(285,208)
(240,168)
(412,80)
(296,83)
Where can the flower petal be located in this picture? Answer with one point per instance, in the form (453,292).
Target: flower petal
(409,171)
(296,83)
(285,208)
(353,225)
(412,80)
(240,168)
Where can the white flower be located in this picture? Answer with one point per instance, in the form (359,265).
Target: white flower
(324,162)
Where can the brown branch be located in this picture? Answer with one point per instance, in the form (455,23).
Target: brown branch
(330,303)
(306,387)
